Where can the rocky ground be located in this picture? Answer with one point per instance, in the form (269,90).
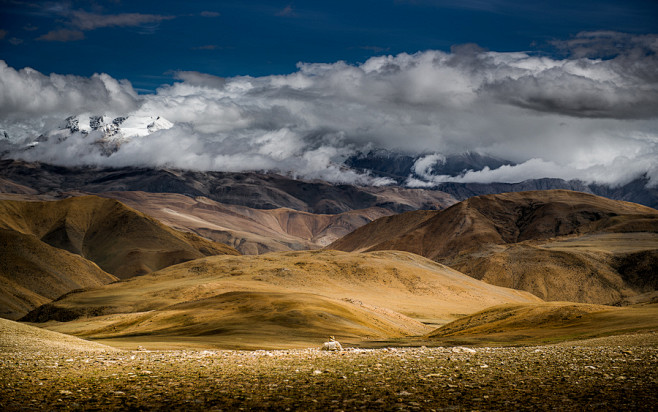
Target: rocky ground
(617,373)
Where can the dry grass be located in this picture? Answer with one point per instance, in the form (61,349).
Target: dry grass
(548,322)
(375,293)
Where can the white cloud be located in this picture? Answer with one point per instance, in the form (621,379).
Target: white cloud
(62,35)
(578,117)
(27,95)
(91,21)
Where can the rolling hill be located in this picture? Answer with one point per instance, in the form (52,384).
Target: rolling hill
(298,297)
(549,322)
(120,240)
(251,231)
(510,240)
(33,273)
(51,248)
(22,338)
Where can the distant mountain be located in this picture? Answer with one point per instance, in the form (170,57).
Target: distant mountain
(635,191)
(106,132)
(255,190)
(533,241)
(251,231)
(400,167)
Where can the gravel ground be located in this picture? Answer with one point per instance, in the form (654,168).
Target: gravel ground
(605,374)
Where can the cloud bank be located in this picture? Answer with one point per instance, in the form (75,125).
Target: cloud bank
(590,115)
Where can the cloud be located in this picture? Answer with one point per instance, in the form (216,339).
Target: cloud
(27,95)
(210,14)
(286,12)
(588,118)
(15,41)
(375,49)
(3,34)
(90,21)
(602,43)
(208,47)
(62,35)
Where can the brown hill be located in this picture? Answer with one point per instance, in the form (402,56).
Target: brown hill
(18,337)
(122,241)
(547,322)
(502,239)
(251,231)
(33,273)
(381,291)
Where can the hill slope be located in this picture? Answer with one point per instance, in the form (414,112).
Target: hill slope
(33,273)
(122,241)
(502,239)
(387,288)
(249,230)
(18,337)
(546,323)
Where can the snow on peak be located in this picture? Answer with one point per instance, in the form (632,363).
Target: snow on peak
(106,131)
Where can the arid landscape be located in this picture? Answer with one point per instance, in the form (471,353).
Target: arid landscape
(269,205)
(532,300)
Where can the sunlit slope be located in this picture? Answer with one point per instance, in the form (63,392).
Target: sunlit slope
(18,337)
(250,230)
(33,273)
(607,268)
(122,241)
(249,320)
(547,322)
(387,285)
(528,241)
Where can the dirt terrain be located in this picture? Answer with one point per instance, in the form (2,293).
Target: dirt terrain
(605,374)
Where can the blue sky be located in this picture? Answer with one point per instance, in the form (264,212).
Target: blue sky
(146,41)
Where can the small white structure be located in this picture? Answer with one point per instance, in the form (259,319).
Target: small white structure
(332,345)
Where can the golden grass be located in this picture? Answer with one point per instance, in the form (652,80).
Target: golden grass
(370,296)
(122,241)
(548,322)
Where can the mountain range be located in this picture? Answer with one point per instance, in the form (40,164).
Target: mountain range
(138,256)
(558,245)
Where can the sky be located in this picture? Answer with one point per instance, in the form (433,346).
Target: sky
(564,89)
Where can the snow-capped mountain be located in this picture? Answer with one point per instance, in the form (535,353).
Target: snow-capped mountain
(107,132)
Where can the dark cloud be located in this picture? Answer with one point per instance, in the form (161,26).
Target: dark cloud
(3,34)
(602,44)
(210,14)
